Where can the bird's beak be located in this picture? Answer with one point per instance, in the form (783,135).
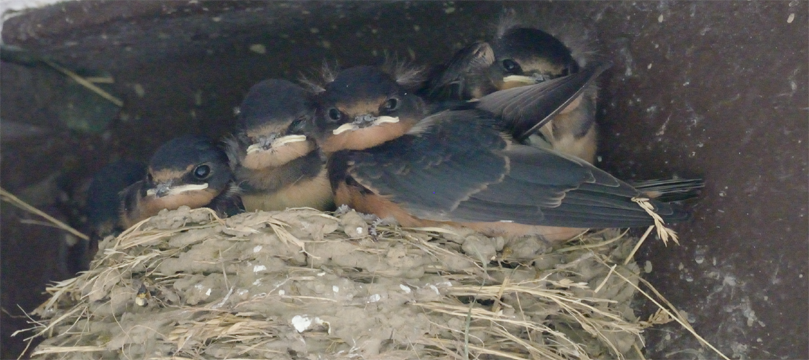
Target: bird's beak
(364,121)
(271,142)
(165,189)
(520,79)
(528,80)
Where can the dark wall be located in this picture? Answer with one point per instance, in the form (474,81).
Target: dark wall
(714,89)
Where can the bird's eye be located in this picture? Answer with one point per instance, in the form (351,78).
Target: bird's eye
(334,114)
(391,104)
(511,66)
(202,171)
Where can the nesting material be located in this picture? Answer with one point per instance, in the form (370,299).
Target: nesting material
(302,284)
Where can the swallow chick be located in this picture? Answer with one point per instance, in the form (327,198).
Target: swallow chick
(460,168)
(104,203)
(521,56)
(277,165)
(363,107)
(186,171)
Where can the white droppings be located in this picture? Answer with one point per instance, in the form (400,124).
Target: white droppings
(139,90)
(208,293)
(321,273)
(650,66)
(660,18)
(374,298)
(198,286)
(257,282)
(359,230)
(257,248)
(791,18)
(404,288)
(335,288)
(301,322)
(324,323)
(259,268)
(281,292)
(750,314)
(242,292)
(435,289)
(258,49)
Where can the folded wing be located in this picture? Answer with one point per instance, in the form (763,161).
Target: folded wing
(458,167)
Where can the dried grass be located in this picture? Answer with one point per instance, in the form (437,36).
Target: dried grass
(288,284)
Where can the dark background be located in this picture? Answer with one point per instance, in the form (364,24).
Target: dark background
(713,89)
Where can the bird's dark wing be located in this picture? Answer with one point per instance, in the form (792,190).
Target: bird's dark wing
(103,199)
(469,62)
(228,203)
(103,207)
(428,174)
(668,190)
(524,110)
(460,168)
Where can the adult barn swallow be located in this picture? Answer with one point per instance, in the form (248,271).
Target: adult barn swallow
(521,56)
(460,167)
(186,171)
(277,165)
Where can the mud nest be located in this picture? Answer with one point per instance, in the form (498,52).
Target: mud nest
(302,284)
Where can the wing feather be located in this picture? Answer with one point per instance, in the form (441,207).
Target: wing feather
(461,168)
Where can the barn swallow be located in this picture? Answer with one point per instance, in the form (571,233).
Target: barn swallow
(670,190)
(277,164)
(521,56)
(104,202)
(186,171)
(460,167)
(363,107)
